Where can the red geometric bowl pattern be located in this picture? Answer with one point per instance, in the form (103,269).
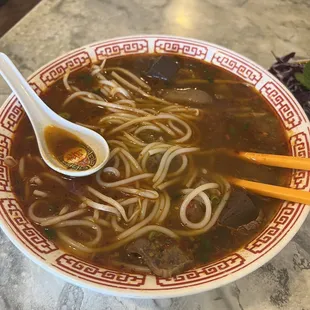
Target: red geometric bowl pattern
(268,243)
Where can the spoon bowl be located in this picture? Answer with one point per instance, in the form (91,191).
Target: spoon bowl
(92,151)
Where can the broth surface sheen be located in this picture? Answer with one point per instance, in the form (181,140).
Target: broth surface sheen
(161,205)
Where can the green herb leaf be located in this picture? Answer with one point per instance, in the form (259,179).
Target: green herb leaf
(232,130)
(304,78)
(86,79)
(97,91)
(215,200)
(50,233)
(210,79)
(65,115)
(153,235)
(307,72)
(246,125)
(29,138)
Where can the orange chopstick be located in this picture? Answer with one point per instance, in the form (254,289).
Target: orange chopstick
(275,160)
(273,191)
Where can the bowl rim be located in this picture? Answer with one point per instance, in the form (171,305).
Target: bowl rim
(164,292)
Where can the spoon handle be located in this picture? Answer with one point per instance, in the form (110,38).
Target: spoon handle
(32,104)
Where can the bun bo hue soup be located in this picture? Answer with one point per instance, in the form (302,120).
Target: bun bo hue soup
(161,204)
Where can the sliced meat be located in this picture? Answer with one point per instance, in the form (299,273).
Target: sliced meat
(150,136)
(153,162)
(165,68)
(240,210)
(195,211)
(163,256)
(253,225)
(189,96)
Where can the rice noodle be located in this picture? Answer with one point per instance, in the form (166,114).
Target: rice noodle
(109,200)
(135,165)
(52,220)
(54,177)
(192,178)
(131,76)
(141,224)
(165,206)
(128,201)
(206,201)
(10,161)
(119,90)
(70,223)
(115,225)
(159,176)
(65,81)
(129,102)
(99,206)
(133,139)
(126,165)
(147,127)
(175,128)
(118,115)
(113,105)
(163,162)
(130,210)
(157,117)
(39,193)
(181,168)
(169,183)
(123,182)
(21,167)
(112,170)
(64,210)
(98,221)
(145,193)
(143,211)
(96,215)
(138,90)
(116,162)
(80,94)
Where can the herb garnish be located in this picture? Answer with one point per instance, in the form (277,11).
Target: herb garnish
(285,69)
(50,233)
(304,78)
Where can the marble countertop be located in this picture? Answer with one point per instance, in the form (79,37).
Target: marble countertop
(250,27)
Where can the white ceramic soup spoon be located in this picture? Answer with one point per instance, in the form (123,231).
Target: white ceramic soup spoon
(67,148)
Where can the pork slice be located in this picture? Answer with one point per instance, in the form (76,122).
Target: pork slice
(188,96)
(163,256)
(240,210)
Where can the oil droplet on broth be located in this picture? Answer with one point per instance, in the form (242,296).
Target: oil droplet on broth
(68,149)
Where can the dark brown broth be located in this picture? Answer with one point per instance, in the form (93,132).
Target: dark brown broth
(256,128)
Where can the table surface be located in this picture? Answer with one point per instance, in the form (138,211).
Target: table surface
(250,27)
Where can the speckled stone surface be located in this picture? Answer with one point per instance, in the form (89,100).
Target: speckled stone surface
(250,27)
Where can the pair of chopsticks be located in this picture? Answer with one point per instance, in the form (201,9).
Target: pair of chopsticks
(273,191)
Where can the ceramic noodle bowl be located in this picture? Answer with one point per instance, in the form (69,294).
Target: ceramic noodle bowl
(274,236)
